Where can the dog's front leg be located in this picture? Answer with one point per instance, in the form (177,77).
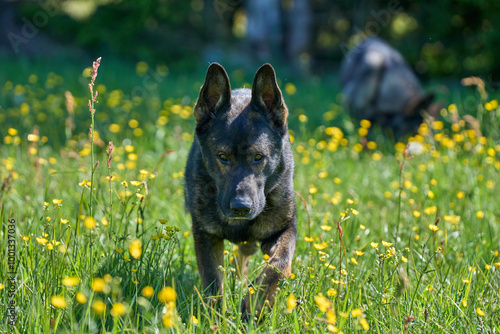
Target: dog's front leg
(280,250)
(209,256)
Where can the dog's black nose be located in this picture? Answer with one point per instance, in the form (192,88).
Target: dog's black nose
(240,208)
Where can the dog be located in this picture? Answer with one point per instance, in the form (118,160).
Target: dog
(239,181)
(379,86)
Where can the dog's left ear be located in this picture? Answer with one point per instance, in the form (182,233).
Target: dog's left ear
(267,97)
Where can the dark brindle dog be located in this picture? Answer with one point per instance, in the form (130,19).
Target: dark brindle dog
(239,180)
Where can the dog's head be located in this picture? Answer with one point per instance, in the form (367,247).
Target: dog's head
(241,134)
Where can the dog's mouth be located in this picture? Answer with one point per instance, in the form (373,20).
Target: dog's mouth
(239,218)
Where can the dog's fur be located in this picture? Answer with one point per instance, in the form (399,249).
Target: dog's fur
(239,180)
(379,86)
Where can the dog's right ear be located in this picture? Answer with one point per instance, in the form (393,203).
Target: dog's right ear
(215,94)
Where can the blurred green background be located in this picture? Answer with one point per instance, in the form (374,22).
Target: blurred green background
(155,54)
(444,38)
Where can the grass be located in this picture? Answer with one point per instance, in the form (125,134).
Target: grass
(389,240)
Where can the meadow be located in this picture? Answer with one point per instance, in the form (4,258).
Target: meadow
(394,236)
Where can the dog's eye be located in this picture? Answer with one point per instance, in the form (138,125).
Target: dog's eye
(223,158)
(258,158)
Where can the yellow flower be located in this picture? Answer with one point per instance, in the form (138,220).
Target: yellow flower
(89,223)
(480,312)
(365,123)
(430,210)
(433,227)
(488,267)
(390,252)
(84,182)
(290,88)
(326,227)
(64,221)
(480,214)
(356,312)
(322,302)
(364,324)
(114,128)
(308,239)
(331,292)
(41,241)
(135,249)
(350,201)
(57,201)
(251,290)
(386,244)
(80,297)
(405,260)
(98,307)
(167,294)
(464,302)
(331,317)
(361,226)
(374,244)
(497,265)
(168,321)
(466,280)
(291,302)
(353,260)
(135,183)
(70,281)
(359,253)
(320,246)
(58,301)
(117,310)
(98,284)
(332,329)
(194,321)
(416,213)
(147,291)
